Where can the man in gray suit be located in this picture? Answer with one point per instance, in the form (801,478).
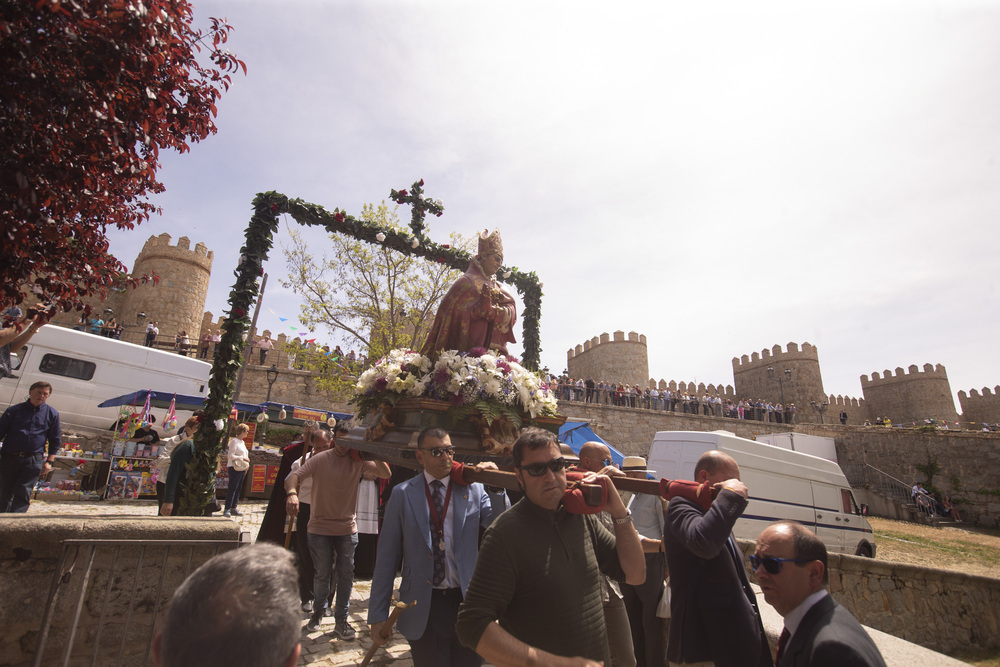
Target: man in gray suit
(790,564)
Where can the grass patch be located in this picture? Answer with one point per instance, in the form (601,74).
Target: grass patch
(949,544)
(979,657)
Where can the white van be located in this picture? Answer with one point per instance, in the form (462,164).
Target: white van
(783,484)
(85,369)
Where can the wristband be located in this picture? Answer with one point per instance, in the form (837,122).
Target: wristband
(625,519)
(291,493)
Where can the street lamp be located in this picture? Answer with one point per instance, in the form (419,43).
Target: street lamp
(820,408)
(272,377)
(781,387)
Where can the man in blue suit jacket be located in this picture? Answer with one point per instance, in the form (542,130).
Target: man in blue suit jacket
(415,534)
(790,563)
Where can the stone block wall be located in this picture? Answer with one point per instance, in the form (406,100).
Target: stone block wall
(981,408)
(804,385)
(910,396)
(620,359)
(29,558)
(177,301)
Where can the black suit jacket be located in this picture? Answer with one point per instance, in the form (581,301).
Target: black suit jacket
(713,610)
(829,636)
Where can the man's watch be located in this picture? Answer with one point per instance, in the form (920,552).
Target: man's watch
(625,519)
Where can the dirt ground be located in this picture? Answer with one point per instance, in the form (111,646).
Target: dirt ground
(958,548)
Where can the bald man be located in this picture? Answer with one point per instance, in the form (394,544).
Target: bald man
(790,564)
(713,611)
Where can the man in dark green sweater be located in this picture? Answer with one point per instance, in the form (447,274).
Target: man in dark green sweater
(535,596)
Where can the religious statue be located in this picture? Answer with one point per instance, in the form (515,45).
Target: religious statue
(476,311)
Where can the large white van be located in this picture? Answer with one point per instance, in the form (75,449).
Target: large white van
(85,369)
(783,484)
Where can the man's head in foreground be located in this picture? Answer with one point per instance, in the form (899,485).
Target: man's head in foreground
(790,564)
(239,608)
(540,467)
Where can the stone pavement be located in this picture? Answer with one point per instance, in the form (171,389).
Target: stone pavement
(319,648)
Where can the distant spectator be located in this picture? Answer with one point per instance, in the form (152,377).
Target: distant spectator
(151,332)
(239,608)
(950,509)
(95,325)
(204,344)
(264,346)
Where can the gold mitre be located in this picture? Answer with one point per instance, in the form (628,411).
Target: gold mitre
(490,242)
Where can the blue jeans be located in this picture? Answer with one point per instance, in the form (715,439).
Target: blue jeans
(18,475)
(235,486)
(334,552)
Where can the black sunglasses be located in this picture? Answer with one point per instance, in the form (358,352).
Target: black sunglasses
(438,452)
(539,469)
(773,565)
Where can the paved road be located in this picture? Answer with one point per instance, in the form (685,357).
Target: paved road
(318,648)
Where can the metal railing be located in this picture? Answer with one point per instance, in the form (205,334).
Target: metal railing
(868,476)
(82,567)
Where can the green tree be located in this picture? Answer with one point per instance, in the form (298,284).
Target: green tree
(372,297)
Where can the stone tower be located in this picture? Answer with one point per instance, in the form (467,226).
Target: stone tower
(177,302)
(619,360)
(910,396)
(805,383)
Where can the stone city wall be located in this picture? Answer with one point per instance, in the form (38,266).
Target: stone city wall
(804,384)
(910,396)
(980,408)
(126,606)
(622,359)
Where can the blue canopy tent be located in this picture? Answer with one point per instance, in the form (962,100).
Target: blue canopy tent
(161,399)
(576,434)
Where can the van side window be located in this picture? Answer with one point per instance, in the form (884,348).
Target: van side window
(17,358)
(848,500)
(67,367)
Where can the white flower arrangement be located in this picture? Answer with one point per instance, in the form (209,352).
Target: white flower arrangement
(462,379)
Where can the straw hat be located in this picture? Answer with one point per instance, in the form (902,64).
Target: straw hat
(635,463)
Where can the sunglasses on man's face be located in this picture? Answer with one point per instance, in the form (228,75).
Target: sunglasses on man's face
(539,469)
(607,461)
(773,565)
(438,452)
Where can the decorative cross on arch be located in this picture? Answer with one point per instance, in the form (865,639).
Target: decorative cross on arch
(268,206)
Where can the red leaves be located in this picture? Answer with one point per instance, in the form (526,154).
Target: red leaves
(339,217)
(96,90)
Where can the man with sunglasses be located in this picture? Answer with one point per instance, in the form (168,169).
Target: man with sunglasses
(790,563)
(535,597)
(431,528)
(714,618)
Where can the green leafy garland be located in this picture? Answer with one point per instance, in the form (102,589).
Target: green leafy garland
(268,206)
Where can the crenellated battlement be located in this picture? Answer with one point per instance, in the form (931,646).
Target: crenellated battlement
(911,395)
(929,372)
(776,356)
(160,248)
(981,407)
(613,357)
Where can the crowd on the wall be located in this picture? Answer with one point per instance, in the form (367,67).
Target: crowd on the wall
(635,396)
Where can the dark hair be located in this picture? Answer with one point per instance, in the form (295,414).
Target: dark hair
(341,428)
(42,384)
(807,545)
(239,608)
(431,432)
(531,438)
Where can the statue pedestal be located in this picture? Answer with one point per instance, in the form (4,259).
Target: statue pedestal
(399,425)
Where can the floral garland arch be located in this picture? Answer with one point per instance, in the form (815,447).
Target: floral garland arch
(268,206)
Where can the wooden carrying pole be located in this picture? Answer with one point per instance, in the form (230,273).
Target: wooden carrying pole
(397,608)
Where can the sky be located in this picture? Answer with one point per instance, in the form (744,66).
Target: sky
(718,176)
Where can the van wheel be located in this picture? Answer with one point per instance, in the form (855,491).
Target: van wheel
(865,550)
